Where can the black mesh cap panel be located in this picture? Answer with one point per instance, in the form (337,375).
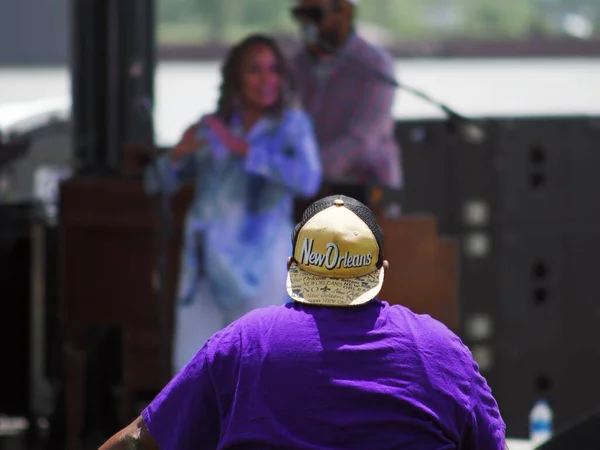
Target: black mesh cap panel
(358,208)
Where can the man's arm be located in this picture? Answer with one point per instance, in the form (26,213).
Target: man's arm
(484,428)
(133,437)
(185,414)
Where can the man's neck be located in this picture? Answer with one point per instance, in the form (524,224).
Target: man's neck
(344,36)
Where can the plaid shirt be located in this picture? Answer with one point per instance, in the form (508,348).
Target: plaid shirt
(351,111)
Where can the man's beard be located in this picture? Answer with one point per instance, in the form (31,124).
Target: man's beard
(332,38)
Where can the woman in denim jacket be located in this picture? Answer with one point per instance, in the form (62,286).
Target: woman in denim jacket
(249,161)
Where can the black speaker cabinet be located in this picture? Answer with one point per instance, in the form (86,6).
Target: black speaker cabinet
(426,156)
(525,205)
(29,323)
(15,264)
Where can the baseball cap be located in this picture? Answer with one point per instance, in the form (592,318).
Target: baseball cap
(337,254)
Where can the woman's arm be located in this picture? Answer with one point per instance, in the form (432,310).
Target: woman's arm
(292,159)
(178,167)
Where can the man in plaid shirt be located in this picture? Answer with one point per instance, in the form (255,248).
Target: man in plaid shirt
(344,84)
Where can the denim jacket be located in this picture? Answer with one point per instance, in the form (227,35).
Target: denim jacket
(242,205)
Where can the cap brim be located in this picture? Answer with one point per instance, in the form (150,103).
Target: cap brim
(305,287)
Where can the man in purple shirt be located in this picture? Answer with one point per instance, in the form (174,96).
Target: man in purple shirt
(335,369)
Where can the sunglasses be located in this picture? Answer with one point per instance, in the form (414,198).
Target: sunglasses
(308,14)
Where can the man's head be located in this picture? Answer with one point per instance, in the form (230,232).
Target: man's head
(337,254)
(324,22)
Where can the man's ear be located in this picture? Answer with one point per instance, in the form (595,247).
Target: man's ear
(289,262)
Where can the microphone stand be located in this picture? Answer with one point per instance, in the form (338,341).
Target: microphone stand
(468,129)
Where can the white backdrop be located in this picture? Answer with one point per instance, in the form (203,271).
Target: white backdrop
(477,87)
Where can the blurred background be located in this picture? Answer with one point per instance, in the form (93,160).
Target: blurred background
(523,205)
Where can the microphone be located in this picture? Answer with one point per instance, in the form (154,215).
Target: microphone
(467,128)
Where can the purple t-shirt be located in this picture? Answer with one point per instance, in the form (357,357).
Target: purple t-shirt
(307,377)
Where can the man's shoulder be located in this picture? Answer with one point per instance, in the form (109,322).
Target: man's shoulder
(372,54)
(440,351)
(426,330)
(251,324)
(261,317)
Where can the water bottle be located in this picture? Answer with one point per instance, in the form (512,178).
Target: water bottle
(540,423)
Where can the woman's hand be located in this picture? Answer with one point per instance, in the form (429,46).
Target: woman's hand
(237,145)
(189,143)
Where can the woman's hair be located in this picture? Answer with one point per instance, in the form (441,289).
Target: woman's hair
(230,90)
